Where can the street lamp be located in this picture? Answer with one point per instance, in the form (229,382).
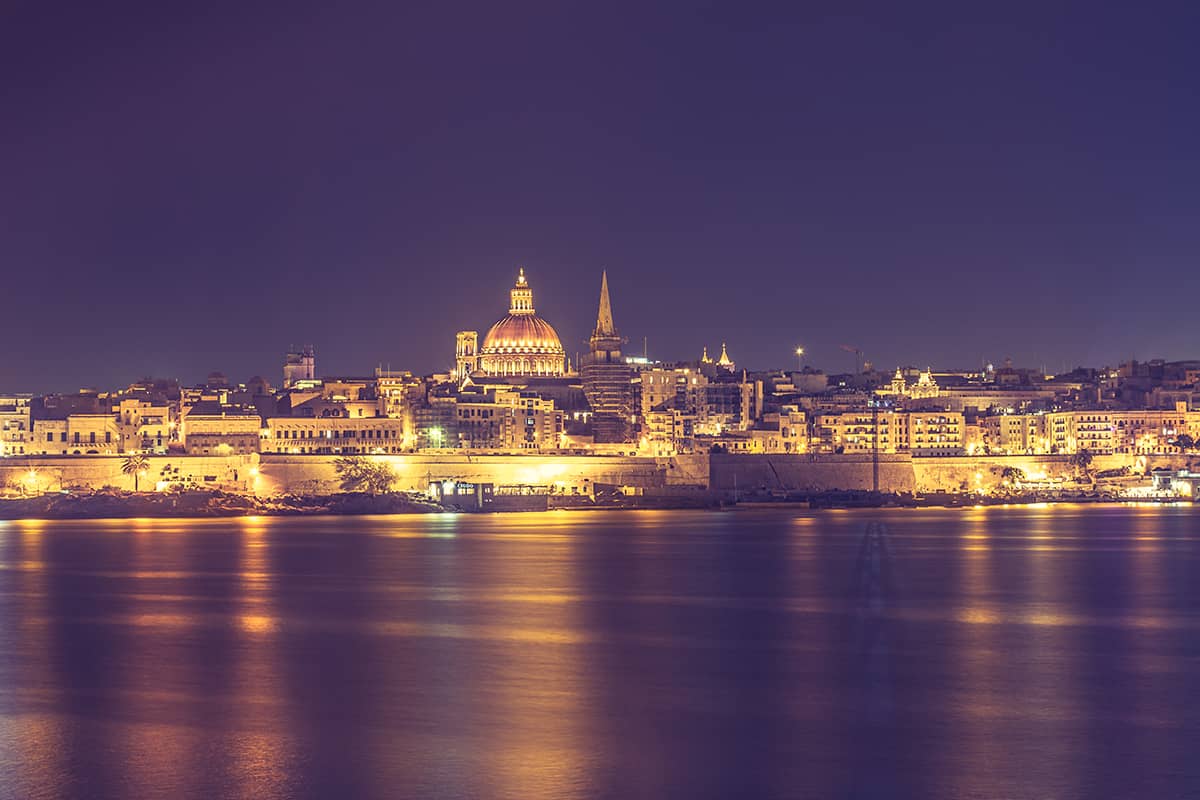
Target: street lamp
(799,358)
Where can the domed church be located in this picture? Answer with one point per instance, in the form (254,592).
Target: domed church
(520,344)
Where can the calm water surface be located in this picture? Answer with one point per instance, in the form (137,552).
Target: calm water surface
(1035,652)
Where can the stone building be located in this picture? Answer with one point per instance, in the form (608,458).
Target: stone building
(520,344)
(333,435)
(213,430)
(299,366)
(16,425)
(77,435)
(607,379)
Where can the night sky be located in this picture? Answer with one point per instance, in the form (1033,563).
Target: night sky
(194,187)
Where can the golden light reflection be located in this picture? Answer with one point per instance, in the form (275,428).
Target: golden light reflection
(539,679)
(257,623)
(974,653)
(260,762)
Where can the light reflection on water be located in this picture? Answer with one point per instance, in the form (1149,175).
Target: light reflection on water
(1017,652)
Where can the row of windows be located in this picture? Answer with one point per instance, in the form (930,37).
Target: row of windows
(91,437)
(373,433)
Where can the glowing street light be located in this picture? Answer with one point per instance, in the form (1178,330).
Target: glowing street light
(799,358)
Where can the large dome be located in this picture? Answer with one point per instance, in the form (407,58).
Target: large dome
(522,343)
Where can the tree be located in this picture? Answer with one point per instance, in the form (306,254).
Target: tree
(360,474)
(135,464)
(1185,441)
(1082,461)
(1012,474)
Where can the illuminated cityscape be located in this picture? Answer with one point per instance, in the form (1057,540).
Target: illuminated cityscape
(634,423)
(599,401)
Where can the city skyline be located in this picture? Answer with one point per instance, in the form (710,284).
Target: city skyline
(206,190)
(845,358)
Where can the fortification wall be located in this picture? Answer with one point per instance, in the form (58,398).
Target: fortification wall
(277,473)
(316,474)
(986,472)
(808,473)
(53,473)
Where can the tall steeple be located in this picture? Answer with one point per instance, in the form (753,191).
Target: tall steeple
(604,319)
(607,379)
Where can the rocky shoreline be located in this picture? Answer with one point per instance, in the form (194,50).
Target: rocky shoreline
(123,505)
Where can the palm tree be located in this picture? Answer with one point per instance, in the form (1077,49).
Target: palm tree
(135,464)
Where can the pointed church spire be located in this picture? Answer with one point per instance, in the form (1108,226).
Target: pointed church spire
(725,360)
(604,319)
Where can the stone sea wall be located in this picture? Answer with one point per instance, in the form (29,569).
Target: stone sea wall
(902,473)
(807,473)
(54,473)
(273,474)
(417,471)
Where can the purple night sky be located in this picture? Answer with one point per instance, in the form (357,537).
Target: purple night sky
(195,187)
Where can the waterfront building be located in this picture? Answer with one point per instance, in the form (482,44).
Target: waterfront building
(435,423)
(398,394)
(667,432)
(1143,432)
(501,418)
(1094,431)
(783,431)
(888,430)
(716,404)
(333,435)
(607,378)
(864,431)
(935,433)
(16,424)
(666,387)
(212,429)
(146,425)
(77,435)
(1011,434)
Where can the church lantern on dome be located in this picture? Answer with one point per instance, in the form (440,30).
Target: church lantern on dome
(521,343)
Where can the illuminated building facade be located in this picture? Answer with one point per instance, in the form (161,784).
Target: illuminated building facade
(210,429)
(332,435)
(506,419)
(77,434)
(520,344)
(147,426)
(16,425)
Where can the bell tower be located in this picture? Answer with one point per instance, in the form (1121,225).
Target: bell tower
(466,354)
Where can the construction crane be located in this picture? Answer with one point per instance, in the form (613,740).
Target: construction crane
(858,357)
